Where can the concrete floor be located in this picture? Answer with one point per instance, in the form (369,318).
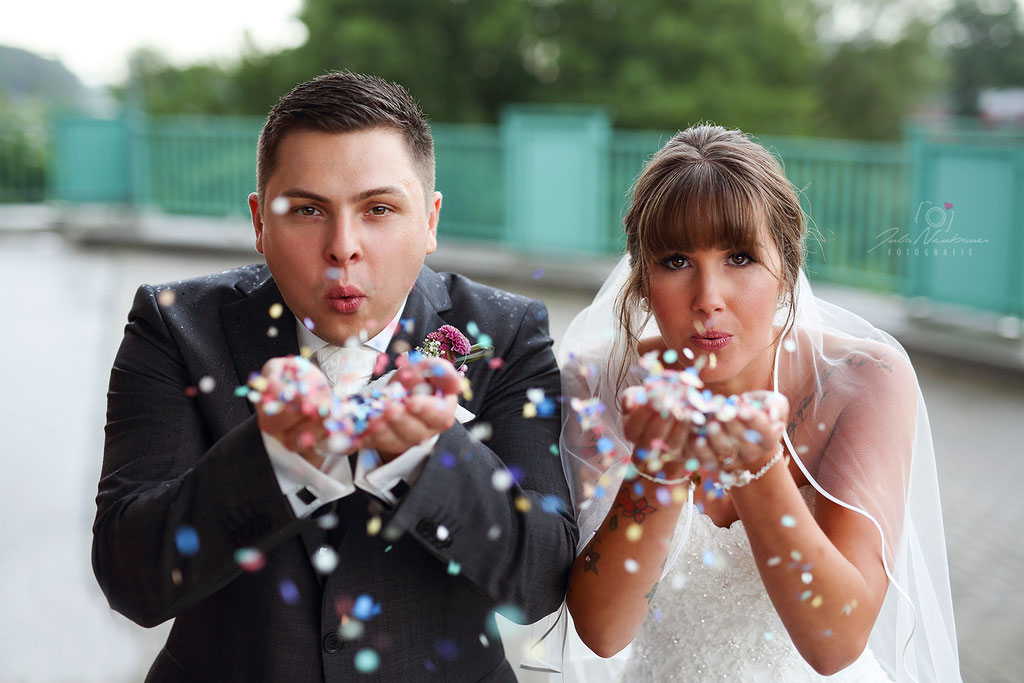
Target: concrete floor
(66,307)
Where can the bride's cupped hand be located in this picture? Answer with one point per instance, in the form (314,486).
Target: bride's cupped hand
(656,437)
(748,440)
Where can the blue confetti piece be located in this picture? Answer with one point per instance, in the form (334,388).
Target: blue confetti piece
(512,613)
(638,489)
(472,328)
(447,460)
(416,356)
(553,504)
(365,608)
(187,540)
(517,474)
(242,390)
(537,274)
(642,453)
(546,408)
(429,665)
(670,356)
(752,436)
(708,558)
(289,591)
(308,322)
(447,649)
(485,340)
(788,521)
(605,445)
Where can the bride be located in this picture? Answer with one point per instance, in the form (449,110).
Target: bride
(788,534)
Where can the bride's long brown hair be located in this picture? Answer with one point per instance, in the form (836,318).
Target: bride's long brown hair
(708,187)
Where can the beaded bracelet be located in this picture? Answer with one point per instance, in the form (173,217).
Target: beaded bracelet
(728,480)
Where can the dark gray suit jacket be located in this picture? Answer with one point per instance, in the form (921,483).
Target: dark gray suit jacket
(174,457)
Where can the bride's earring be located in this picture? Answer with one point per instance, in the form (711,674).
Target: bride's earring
(645,305)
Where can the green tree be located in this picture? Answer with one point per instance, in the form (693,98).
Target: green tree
(986,49)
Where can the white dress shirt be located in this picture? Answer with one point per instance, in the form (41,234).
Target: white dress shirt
(354,368)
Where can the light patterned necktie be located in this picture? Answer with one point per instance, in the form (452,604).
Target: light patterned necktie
(347,367)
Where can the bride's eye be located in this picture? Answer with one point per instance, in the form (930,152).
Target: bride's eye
(674,262)
(740,259)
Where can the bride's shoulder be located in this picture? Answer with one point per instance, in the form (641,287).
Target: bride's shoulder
(865,365)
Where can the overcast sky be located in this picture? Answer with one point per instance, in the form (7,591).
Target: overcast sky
(94,37)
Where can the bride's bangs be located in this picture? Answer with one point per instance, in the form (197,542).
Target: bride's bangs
(702,208)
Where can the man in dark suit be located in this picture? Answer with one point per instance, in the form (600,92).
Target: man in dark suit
(283,560)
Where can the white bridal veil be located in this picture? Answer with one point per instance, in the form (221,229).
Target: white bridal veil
(858,430)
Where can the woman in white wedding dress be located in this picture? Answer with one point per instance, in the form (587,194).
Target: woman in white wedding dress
(791,534)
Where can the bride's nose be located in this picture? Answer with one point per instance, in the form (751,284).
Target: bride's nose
(709,295)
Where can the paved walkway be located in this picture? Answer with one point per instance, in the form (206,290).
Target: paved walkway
(65,309)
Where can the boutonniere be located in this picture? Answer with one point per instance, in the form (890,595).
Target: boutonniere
(448,343)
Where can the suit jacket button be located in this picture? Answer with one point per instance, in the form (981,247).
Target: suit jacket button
(333,642)
(427,528)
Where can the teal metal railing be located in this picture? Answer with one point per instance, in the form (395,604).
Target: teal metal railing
(852,191)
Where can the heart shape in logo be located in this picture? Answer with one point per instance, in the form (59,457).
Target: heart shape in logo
(947,205)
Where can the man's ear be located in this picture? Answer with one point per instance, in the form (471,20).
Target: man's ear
(257,219)
(433,216)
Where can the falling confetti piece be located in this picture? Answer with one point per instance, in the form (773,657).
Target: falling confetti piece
(191,392)
(472,328)
(789,345)
(279,206)
(712,361)
(332,273)
(634,532)
(250,559)
(176,576)
(276,310)
(494,533)
(529,410)
(688,353)
(484,640)
(442,532)
(373,525)
(327,521)
(501,480)
(289,591)
(795,554)
(538,274)
(699,326)
(788,521)
(523,504)
(454,568)
(351,629)
(366,661)
(769,636)
(816,602)
(187,540)
(805,595)
(772,561)
(806,577)
(207,384)
(481,431)
(325,559)
(670,356)
(308,322)
(364,608)
(272,332)
(166,297)
(821,426)
(495,363)
(447,460)
(632,566)
(553,449)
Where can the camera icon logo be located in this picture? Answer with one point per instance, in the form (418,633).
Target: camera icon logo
(935,216)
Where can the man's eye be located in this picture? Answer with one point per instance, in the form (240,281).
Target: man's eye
(307,210)
(740,259)
(379,211)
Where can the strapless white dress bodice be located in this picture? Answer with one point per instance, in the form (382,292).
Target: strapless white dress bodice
(711,619)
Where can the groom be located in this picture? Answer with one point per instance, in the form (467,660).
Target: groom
(280,560)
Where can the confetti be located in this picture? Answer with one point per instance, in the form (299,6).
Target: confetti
(442,532)
(494,533)
(250,559)
(447,460)
(529,410)
(495,363)
(632,566)
(538,274)
(670,356)
(332,273)
(308,322)
(166,297)
(816,602)
(454,568)
(373,525)
(327,521)
(806,577)
(789,345)
(272,332)
(772,561)
(279,205)
(501,480)
(484,640)
(523,504)
(481,431)
(351,629)
(366,661)
(788,521)
(769,636)
(289,591)
(364,608)
(325,559)
(699,326)
(176,576)
(447,649)
(634,532)
(187,540)
(207,384)
(276,310)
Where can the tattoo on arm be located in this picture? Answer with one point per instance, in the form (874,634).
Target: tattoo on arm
(650,596)
(592,556)
(636,509)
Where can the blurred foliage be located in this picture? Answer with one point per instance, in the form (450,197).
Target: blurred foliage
(23,154)
(986,49)
(760,66)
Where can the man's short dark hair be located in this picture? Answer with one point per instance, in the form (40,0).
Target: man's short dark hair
(346,102)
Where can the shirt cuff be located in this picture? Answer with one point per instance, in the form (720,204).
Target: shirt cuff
(294,475)
(381,479)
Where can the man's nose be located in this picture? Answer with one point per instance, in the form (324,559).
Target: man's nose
(344,243)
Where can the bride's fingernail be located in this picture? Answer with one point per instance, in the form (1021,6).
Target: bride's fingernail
(714,428)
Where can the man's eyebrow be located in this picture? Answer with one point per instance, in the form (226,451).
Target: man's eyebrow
(378,191)
(299,193)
